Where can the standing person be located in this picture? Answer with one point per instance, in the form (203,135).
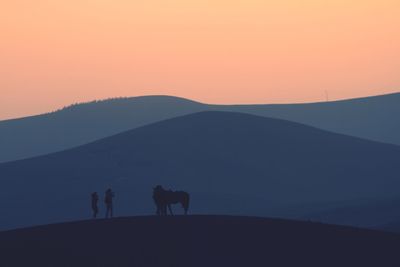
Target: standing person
(109,202)
(95,208)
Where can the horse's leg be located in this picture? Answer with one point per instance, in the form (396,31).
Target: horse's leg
(185,205)
(170,209)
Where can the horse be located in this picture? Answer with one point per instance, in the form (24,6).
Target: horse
(165,198)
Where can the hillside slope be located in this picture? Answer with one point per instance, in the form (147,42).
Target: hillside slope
(365,212)
(231,163)
(84,123)
(372,118)
(197,241)
(369,117)
(393,227)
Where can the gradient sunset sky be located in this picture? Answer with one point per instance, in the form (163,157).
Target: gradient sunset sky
(57,52)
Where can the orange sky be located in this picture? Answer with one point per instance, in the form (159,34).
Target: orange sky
(56,52)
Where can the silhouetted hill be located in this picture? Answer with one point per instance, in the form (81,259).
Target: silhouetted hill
(372,118)
(231,163)
(197,241)
(393,227)
(84,123)
(363,212)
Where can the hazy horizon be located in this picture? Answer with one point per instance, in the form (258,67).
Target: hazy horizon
(55,53)
(205,103)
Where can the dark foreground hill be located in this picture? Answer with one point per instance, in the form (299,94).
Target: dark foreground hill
(372,118)
(230,163)
(197,241)
(366,212)
(393,227)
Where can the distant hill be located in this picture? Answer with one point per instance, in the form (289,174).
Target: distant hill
(231,163)
(197,241)
(84,123)
(371,118)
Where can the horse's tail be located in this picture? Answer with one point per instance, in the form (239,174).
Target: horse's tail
(186,202)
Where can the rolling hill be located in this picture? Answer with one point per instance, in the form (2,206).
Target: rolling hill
(368,118)
(231,163)
(364,212)
(196,241)
(393,227)
(80,124)
(371,118)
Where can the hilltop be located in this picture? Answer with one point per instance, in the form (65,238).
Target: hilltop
(84,123)
(197,241)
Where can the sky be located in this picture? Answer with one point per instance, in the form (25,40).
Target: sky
(57,52)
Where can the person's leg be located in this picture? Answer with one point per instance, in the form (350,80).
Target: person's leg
(111,210)
(165,210)
(170,209)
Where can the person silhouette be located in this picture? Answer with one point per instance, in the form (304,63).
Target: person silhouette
(95,208)
(108,200)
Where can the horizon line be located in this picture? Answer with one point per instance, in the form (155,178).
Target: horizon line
(195,101)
